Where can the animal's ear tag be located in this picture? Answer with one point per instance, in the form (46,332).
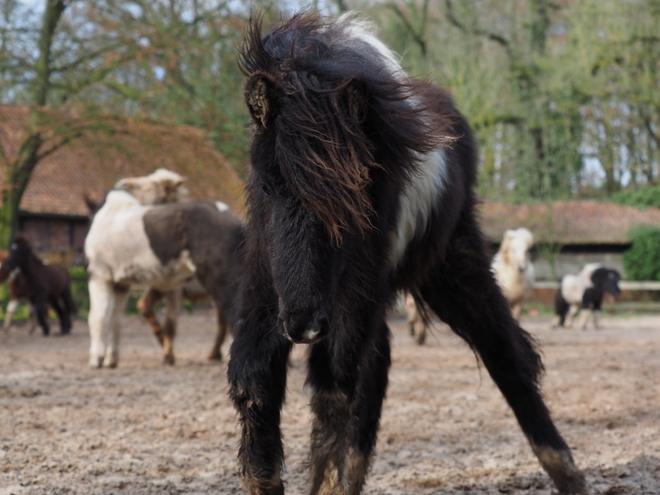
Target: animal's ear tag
(259,97)
(356,99)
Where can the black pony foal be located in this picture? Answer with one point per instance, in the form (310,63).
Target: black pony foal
(360,186)
(44,285)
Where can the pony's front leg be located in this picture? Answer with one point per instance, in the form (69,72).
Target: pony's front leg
(9,314)
(585,315)
(347,405)
(257,379)
(101,302)
(173,300)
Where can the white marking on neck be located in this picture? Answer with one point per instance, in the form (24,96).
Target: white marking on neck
(418,199)
(363,31)
(221,206)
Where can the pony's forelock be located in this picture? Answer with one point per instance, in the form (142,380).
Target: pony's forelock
(324,79)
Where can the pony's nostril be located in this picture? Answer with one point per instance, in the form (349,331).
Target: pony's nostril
(303,328)
(311,334)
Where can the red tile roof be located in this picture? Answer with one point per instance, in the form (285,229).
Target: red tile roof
(92,163)
(567,222)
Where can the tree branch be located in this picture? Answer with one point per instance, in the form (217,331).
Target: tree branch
(410,28)
(500,40)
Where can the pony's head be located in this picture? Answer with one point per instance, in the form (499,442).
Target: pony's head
(331,108)
(516,247)
(19,252)
(606,280)
(162,186)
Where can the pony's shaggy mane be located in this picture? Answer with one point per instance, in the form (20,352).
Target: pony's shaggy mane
(340,107)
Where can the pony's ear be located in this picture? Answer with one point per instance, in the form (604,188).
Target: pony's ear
(259,96)
(356,100)
(92,205)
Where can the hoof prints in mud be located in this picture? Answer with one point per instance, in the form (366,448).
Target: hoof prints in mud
(145,428)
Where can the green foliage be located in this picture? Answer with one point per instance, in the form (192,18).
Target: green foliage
(79,289)
(642,260)
(644,197)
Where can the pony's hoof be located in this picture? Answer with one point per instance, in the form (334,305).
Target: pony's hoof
(215,357)
(421,339)
(559,464)
(169,360)
(96,362)
(111,361)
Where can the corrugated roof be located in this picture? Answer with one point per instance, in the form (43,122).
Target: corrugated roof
(92,163)
(567,222)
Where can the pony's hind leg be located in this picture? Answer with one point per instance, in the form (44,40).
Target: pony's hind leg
(9,314)
(62,315)
(464,294)
(216,354)
(172,309)
(573,310)
(106,303)
(346,417)
(145,306)
(41,310)
(120,295)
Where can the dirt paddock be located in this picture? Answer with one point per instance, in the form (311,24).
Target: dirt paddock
(145,428)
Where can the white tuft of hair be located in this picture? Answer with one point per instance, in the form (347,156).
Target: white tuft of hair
(360,29)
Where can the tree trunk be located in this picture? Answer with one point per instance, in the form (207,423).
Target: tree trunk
(18,176)
(18,173)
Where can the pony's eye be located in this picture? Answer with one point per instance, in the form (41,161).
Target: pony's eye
(266,190)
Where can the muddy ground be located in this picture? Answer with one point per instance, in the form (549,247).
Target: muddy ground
(145,428)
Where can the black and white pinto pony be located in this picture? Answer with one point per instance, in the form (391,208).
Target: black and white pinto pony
(583,293)
(361,185)
(160,246)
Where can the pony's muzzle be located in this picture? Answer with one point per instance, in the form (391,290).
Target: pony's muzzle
(304,329)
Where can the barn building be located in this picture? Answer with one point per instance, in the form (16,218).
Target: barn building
(53,213)
(568,234)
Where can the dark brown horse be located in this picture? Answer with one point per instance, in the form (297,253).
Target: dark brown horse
(16,284)
(43,285)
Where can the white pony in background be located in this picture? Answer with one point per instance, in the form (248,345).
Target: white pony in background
(160,187)
(513,268)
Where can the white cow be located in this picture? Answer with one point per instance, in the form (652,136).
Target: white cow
(513,268)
